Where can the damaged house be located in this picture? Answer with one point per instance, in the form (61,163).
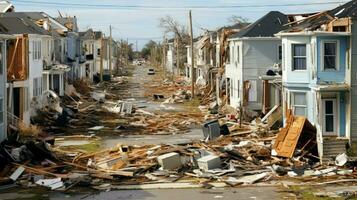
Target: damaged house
(222,54)
(24,66)
(252,51)
(88,41)
(53,49)
(319,75)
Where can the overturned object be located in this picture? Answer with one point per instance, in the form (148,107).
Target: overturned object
(298,133)
(209,162)
(211,129)
(170,161)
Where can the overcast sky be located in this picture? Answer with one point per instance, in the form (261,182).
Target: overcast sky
(137,20)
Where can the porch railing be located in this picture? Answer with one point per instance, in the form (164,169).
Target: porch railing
(13,121)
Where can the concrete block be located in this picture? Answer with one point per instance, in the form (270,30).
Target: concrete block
(170,161)
(209,162)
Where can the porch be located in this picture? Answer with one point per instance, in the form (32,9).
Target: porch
(53,79)
(332,105)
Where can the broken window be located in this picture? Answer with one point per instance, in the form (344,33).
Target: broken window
(299,56)
(299,103)
(330,55)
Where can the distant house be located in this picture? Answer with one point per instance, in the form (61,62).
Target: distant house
(252,51)
(319,75)
(88,45)
(25,66)
(170,56)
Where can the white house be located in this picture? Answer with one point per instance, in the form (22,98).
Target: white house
(25,66)
(251,52)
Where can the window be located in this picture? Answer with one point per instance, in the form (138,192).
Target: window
(1,110)
(36,50)
(299,103)
(37,87)
(253,91)
(330,55)
(98,52)
(238,55)
(280,52)
(299,56)
(330,116)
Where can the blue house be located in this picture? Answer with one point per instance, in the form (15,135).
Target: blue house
(317,75)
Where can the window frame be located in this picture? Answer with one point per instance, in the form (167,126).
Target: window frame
(292,101)
(335,115)
(280,52)
(293,56)
(337,56)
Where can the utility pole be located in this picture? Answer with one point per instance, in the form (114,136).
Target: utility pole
(127,51)
(101,58)
(136,49)
(192,58)
(164,56)
(178,56)
(110,51)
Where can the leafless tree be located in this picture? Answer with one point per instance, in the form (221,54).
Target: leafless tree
(180,32)
(235,19)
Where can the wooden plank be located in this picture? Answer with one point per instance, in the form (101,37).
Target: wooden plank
(286,148)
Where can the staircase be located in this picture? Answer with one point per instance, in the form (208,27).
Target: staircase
(13,121)
(333,147)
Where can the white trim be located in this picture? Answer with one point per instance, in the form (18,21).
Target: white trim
(336,116)
(292,57)
(322,55)
(292,105)
(314,33)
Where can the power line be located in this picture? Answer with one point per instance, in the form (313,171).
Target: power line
(117,6)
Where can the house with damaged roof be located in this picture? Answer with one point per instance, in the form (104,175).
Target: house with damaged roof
(251,53)
(320,75)
(53,48)
(25,66)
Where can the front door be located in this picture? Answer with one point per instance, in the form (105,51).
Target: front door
(330,120)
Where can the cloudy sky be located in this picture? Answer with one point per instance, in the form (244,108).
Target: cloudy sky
(137,20)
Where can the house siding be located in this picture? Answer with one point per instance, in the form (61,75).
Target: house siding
(353,77)
(259,56)
(339,75)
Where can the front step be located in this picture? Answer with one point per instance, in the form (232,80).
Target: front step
(332,148)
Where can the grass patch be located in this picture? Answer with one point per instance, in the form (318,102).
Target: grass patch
(307,193)
(92,147)
(194,103)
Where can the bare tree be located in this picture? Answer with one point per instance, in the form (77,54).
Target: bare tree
(235,19)
(180,32)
